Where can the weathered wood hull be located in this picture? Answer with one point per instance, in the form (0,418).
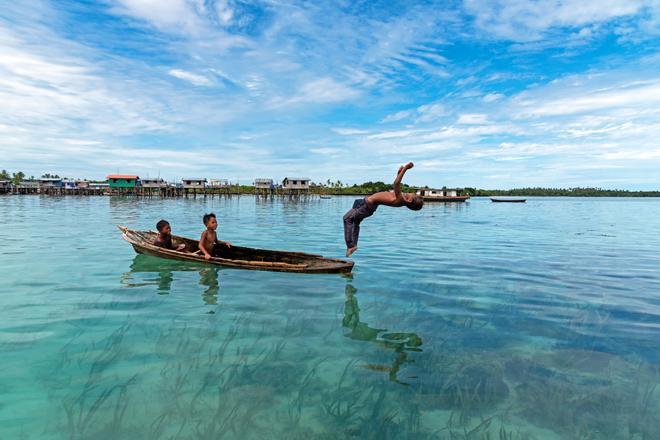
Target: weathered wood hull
(237,256)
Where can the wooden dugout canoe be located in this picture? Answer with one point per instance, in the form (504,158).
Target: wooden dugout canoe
(237,256)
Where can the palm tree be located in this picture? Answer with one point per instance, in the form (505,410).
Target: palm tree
(18,177)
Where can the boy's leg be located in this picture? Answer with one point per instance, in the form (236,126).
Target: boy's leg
(351,235)
(352,220)
(349,225)
(356,234)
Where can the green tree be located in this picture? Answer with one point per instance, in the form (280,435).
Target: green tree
(18,177)
(4,175)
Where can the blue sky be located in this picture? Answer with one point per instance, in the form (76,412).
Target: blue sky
(493,94)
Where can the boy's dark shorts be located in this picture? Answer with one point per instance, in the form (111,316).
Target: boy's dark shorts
(361,210)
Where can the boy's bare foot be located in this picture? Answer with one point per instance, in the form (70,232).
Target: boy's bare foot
(350,251)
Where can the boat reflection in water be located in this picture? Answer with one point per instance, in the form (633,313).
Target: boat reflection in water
(400,343)
(164,271)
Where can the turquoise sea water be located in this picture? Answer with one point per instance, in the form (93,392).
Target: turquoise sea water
(480,320)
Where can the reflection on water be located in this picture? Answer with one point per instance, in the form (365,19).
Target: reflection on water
(208,277)
(164,271)
(399,343)
(165,279)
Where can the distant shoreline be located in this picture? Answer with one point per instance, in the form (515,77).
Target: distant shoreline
(55,185)
(640,194)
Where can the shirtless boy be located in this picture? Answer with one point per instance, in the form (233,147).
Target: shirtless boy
(164,237)
(209,239)
(363,208)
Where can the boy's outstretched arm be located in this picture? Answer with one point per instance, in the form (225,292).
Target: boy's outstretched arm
(399,177)
(390,198)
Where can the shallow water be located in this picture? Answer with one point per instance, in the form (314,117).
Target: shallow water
(480,320)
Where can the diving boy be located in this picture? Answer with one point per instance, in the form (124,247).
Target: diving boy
(164,237)
(209,240)
(363,208)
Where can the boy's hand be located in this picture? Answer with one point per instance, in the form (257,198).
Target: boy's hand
(228,244)
(409,165)
(181,247)
(207,257)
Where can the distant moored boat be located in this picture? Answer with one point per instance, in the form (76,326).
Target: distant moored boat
(442,195)
(508,200)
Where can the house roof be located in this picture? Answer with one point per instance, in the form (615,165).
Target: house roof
(122,176)
(297,178)
(201,179)
(50,179)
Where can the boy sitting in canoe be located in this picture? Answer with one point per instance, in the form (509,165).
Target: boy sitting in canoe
(363,208)
(164,238)
(208,243)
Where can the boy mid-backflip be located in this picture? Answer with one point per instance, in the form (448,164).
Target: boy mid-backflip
(363,208)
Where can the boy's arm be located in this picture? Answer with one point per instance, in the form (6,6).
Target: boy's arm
(392,198)
(202,246)
(226,243)
(399,177)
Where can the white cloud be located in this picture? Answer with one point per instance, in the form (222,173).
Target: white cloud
(394,117)
(326,151)
(430,112)
(472,119)
(225,11)
(392,134)
(632,155)
(325,90)
(349,131)
(169,15)
(584,99)
(203,23)
(527,20)
(50,90)
(492,97)
(423,113)
(321,91)
(467,80)
(193,78)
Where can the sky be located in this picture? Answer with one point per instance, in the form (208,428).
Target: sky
(489,94)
